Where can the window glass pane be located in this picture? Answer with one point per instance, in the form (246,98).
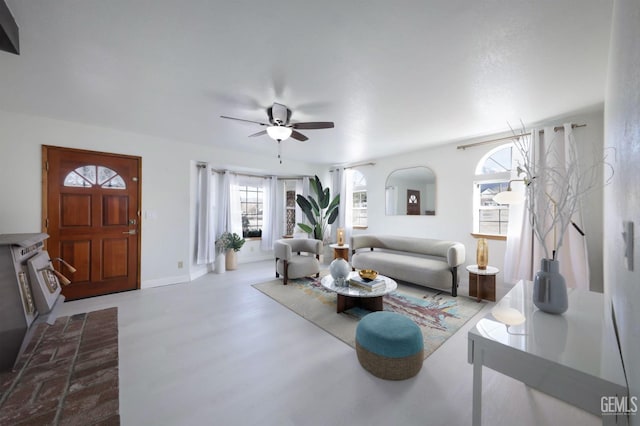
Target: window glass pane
(87,172)
(87,176)
(359,180)
(74,179)
(104,174)
(498,162)
(493,220)
(251,205)
(115,182)
(489,190)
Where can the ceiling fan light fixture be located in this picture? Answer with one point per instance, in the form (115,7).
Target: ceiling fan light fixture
(279,133)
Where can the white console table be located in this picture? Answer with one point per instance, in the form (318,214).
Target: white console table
(571,357)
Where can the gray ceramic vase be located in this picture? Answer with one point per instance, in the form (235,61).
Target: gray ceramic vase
(550,288)
(339,270)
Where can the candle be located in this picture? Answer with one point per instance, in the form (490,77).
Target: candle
(340,236)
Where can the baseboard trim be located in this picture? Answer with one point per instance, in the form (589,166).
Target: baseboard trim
(164,281)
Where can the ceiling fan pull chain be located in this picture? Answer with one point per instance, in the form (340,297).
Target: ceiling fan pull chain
(280,151)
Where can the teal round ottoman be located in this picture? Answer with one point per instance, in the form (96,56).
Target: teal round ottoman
(389,345)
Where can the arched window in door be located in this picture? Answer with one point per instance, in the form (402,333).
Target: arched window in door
(91,175)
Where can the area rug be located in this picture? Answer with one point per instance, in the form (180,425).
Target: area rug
(438,314)
(67,375)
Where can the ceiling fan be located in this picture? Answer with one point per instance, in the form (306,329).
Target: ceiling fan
(280,128)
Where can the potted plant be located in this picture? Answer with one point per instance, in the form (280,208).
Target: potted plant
(232,243)
(321,211)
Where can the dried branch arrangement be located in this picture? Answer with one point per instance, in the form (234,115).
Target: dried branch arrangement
(555,183)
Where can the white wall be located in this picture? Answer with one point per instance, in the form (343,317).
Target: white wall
(168,189)
(622,197)
(454,170)
(167,185)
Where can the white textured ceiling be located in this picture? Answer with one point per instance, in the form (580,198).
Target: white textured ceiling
(393,76)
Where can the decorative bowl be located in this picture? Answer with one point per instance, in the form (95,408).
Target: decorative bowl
(368,274)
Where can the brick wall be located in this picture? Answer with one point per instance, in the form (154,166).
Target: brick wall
(68,374)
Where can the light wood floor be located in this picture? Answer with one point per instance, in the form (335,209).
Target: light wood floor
(216,351)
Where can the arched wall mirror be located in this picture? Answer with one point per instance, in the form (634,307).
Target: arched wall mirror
(411,191)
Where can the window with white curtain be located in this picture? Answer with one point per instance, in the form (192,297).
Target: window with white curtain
(493,173)
(359,200)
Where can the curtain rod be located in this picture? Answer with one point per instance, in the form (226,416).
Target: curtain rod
(555,129)
(352,166)
(202,166)
(260,176)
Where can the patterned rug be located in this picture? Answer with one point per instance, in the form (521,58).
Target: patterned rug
(438,314)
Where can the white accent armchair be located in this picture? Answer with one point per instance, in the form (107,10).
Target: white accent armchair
(297,257)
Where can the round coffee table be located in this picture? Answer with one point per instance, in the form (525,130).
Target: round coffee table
(348,296)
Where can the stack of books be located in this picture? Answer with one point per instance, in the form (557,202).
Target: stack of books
(369,285)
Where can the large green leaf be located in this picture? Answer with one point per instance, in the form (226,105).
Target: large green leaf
(323,194)
(334,204)
(333,216)
(305,228)
(316,186)
(316,208)
(307,208)
(324,200)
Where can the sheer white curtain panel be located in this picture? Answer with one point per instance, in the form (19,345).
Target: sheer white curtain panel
(343,179)
(230,217)
(269,213)
(205,224)
(524,251)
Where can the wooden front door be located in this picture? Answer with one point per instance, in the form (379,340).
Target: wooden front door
(91,205)
(413,202)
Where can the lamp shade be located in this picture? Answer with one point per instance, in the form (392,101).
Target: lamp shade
(279,133)
(508,315)
(508,197)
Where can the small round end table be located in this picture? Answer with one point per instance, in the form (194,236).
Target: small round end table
(340,251)
(482,282)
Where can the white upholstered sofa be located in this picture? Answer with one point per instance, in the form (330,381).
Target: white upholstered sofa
(427,262)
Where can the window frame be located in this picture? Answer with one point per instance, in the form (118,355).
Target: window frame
(246,189)
(360,188)
(490,178)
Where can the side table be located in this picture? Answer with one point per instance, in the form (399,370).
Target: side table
(482,282)
(573,357)
(340,251)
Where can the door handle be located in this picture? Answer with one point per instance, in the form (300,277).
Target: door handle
(130,232)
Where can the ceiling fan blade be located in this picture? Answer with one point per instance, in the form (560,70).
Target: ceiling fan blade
(264,132)
(313,125)
(298,136)
(247,121)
